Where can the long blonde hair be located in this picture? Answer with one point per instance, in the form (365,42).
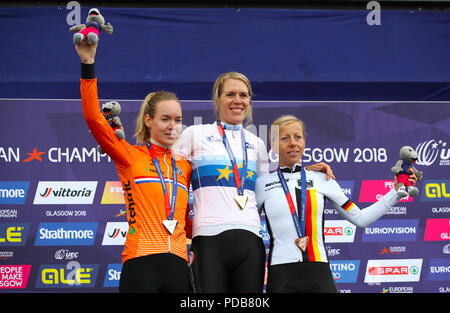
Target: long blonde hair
(148,106)
(218,89)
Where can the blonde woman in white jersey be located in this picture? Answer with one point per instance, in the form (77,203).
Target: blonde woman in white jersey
(297,259)
(227,251)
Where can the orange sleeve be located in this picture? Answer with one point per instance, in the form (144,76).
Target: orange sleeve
(99,127)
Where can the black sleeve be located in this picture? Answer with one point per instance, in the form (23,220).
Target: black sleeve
(87,71)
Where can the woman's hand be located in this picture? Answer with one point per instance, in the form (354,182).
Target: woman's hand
(322,167)
(86,51)
(412,178)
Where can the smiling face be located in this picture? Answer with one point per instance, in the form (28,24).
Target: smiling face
(165,126)
(291,143)
(233,102)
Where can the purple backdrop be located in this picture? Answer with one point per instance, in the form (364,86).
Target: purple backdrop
(62,221)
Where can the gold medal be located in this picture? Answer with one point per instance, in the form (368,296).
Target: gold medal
(241,201)
(302,243)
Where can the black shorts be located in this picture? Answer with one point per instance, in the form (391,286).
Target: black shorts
(232,261)
(300,277)
(163,272)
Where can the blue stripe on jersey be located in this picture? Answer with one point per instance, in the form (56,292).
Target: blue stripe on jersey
(208,181)
(207,170)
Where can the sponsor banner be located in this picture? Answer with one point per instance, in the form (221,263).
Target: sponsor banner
(68,215)
(345,271)
(70,275)
(391,230)
(13,192)
(14,234)
(439,270)
(65,192)
(112,277)
(113,193)
(373,190)
(115,234)
(66,234)
(339,231)
(436,190)
(14,276)
(437,229)
(398,270)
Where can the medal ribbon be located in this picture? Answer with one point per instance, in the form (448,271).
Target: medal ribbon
(237,179)
(300,225)
(169,205)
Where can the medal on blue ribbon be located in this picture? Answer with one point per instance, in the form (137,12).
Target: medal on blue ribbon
(240,198)
(299,221)
(170,224)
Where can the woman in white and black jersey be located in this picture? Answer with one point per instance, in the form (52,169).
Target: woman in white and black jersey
(297,259)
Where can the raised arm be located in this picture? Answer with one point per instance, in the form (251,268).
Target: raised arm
(351,212)
(98,125)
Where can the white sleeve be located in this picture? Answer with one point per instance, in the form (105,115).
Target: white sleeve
(260,193)
(185,144)
(351,212)
(262,164)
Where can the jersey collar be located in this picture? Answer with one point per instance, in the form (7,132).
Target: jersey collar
(227,126)
(158,147)
(287,169)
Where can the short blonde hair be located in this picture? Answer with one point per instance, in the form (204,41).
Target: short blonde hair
(280,122)
(149,106)
(218,89)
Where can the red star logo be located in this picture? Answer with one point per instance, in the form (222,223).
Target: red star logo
(384,251)
(34,155)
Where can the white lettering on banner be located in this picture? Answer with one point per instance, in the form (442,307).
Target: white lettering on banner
(113,274)
(61,233)
(70,155)
(8,213)
(444,209)
(340,267)
(12,193)
(9,154)
(340,155)
(66,254)
(389,230)
(401,289)
(440,269)
(326,155)
(55,155)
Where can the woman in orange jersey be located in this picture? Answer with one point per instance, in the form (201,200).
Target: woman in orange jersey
(155,182)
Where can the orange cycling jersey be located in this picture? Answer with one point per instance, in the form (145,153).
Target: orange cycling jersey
(143,192)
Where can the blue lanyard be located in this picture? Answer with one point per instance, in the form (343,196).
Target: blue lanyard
(238,180)
(170,206)
(300,226)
